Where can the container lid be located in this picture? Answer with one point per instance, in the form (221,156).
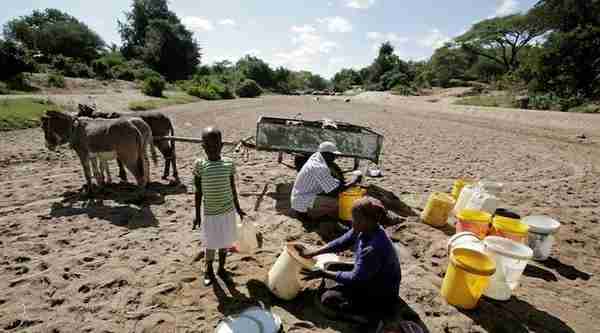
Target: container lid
(508,248)
(541,224)
(269,322)
(476,216)
(507,213)
(473,262)
(510,225)
(465,234)
(239,324)
(306,263)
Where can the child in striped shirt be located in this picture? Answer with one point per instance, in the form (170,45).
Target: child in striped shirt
(216,193)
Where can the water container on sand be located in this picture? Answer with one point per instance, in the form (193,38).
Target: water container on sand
(509,228)
(466,278)
(322,259)
(283,278)
(511,258)
(475,221)
(438,209)
(483,201)
(247,241)
(458,186)
(347,199)
(492,188)
(464,197)
(465,240)
(507,213)
(541,235)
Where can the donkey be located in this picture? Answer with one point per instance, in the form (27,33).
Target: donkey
(88,137)
(160,124)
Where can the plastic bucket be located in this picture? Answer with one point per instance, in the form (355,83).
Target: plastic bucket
(482,201)
(458,186)
(438,209)
(509,228)
(347,199)
(475,221)
(283,279)
(467,276)
(465,240)
(541,235)
(511,258)
(492,188)
(465,196)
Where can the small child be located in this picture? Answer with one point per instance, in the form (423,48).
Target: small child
(214,180)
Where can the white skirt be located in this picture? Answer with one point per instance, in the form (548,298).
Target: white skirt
(218,231)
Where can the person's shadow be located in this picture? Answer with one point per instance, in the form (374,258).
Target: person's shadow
(235,301)
(567,271)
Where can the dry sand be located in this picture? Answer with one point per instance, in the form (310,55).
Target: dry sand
(107,265)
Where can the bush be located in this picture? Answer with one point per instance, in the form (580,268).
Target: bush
(56,80)
(249,88)
(204,92)
(144,73)
(4,89)
(102,69)
(588,108)
(14,59)
(154,86)
(123,72)
(81,70)
(404,90)
(544,102)
(224,91)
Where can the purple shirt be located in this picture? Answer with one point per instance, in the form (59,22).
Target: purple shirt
(376,266)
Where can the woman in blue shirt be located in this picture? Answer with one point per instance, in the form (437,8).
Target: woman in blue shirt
(373,282)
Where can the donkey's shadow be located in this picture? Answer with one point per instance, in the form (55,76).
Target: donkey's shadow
(125,193)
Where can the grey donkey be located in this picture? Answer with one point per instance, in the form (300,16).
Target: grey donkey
(89,137)
(160,124)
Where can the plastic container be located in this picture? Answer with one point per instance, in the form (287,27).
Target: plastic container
(322,259)
(507,213)
(511,258)
(251,320)
(541,235)
(475,221)
(465,196)
(483,201)
(347,199)
(492,188)
(438,209)
(247,241)
(509,228)
(465,240)
(467,276)
(458,186)
(283,276)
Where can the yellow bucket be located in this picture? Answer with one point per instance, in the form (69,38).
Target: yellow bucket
(510,228)
(475,221)
(347,199)
(458,186)
(467,277)
(438,209)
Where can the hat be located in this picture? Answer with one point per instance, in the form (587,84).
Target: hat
(328,147)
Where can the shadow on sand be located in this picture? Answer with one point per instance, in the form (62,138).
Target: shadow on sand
(126,193)
(539,273)
(515,316)
(127,216)
(567,271)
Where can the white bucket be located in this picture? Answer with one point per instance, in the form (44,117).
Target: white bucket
(283,278)
(464,197)
(247,241)
(541,235)
(483,201)
(492,188)
(511,259)
(465,240)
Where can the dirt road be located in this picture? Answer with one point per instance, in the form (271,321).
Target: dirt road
(73,265)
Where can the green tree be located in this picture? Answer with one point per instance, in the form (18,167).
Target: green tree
(508,34)
(14,60)
(257,70)
(151,31)
(317,82)
(53,32)
(448,63)
(386,60)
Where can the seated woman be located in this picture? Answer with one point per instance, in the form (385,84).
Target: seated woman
(373,282)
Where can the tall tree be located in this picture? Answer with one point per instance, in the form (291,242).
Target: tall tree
(156,34)
(257,70)
(509,34)
(53,32)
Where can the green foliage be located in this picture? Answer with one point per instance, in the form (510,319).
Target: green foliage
(249,88)
(544,102)
(154,86)
(155,34)
(404,90)
(317,82)
(102,69)
(587,108)
(4,89)
(19,82)
(14,60)
(70,67)
(501,100)
(22,113)
(53,32)
(204,92)
(124,72)
(345,79)
(152,104)
(56,81)
(448,63)
(256,69)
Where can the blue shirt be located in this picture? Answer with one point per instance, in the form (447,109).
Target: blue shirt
(376,270)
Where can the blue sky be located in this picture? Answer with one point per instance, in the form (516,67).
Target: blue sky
(322,36)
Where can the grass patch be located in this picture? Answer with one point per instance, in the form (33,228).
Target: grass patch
(502,101)
(587,108)
(157,103)
(20,113)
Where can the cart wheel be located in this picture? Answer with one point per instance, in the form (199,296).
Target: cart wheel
(299,161)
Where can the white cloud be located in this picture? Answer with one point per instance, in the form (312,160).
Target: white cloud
(336,60)
(373,35)
(253,52)
(303,29)
(228,21)
(336,24)
(329,4)
(390,37)
(359,4)
(506,7)
(309,47)
(198,24)
(434,39)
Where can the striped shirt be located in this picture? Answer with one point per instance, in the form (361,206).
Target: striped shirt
(313,179)
(215,178)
